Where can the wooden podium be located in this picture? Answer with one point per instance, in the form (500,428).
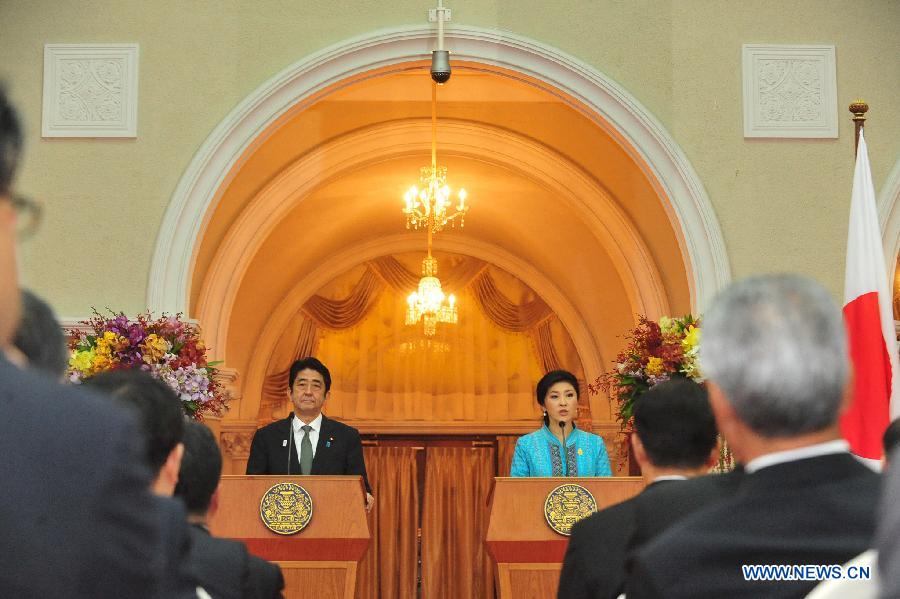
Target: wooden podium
(319,561)
(529,553)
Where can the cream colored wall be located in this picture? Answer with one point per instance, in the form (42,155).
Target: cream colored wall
(782,204)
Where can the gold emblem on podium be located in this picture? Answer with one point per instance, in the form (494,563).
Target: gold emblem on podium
(286,508)
(567,504)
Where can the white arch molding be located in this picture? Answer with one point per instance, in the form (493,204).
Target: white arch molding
(889,213)
(594,208)
(582,86)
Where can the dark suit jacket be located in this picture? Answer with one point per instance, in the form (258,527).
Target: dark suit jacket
(596,557)
(227,571)
(77,518)
(813,511)
(662,505)
(264,579)
(888,540)
(339,450)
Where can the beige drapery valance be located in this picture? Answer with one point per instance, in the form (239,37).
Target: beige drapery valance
(532,317)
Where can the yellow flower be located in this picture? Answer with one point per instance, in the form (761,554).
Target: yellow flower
(101,363)
(102,348)
(654,366)
(691,339)
(82,361)
(154,348)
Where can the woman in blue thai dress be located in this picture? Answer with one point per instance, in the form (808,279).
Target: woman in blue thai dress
(541,453)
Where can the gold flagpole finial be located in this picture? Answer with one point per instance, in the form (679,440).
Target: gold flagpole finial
(859,108)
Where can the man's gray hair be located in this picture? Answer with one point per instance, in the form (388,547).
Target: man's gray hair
(777,347)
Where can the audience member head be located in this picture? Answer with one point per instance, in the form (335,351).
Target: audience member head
(891,439)
(10,143)
(774,350)
(10,149)
(160,417)
(557,393)
(674,429)
(39,337)
(201,468)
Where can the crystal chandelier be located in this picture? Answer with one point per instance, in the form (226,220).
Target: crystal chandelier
(430,207)
(428,302)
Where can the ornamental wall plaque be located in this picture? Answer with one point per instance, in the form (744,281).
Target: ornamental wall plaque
(790,91)
(286,508)
(90,90)
(567,504)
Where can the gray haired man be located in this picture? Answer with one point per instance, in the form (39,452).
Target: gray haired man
(775,354)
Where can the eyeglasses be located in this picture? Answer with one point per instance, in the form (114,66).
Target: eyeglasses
(28,215)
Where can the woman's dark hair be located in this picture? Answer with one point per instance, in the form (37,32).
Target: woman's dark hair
(550,379)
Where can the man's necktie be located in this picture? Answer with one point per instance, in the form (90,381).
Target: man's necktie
(306,456)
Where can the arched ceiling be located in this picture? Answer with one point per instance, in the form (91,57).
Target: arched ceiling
(510,209)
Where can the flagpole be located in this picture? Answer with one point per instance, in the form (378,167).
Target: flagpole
(859,108)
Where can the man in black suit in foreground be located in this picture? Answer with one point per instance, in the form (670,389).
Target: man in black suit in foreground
(77,519)
(306,442)
(224,567)
(161,420)
(775,353)
(674,438)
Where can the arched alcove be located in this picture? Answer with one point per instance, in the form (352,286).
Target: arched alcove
(301,84)
(575,189)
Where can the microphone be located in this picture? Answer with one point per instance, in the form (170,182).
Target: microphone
(565,452)
(290,436)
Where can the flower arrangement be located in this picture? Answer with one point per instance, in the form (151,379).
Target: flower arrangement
(655,352)
(167,347)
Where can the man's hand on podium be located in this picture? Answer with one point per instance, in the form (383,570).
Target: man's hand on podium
(370,501)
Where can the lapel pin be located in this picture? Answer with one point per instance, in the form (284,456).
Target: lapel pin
(330,439)
(284,443)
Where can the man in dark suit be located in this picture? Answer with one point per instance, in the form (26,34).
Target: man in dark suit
(674,438)
(77,519)
(225,568)
(161,423)
(775,353)
(306,442)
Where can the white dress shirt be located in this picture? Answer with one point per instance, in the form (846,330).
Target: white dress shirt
(668,477)
(801,453)
(313,434)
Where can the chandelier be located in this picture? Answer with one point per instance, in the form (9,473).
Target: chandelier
(428,303)
(429,206)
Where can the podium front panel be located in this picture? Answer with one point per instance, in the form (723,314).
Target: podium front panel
(527,552)
(320,560)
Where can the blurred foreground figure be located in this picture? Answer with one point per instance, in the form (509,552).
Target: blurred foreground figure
(224,567)
(674,439)
(76,519)
(775,353)
(39,338)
